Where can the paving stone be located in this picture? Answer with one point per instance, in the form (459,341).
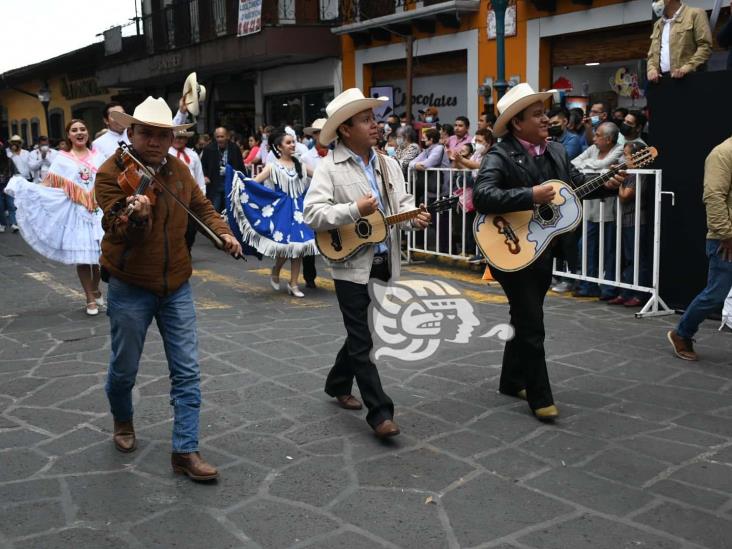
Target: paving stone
(22,520)
(688,436)
(20,438)
(464,373)
(352,540)
(186,528)
(53,369)
(696,380)
(423,469)
(664,450)
(387,512)
(420,425)
(305,409)
(625,466)
(29,490)
(466,443)
(690,495)
(696,526)
(266,450)
(592,360)
(266,391)
(126,496)
(262,521)
(706,422)
(561,446)
(315,480)
(717,476)
(54,421)
(641,410)
(60,389)
(601,384)
(75,537)
(511,463)
(507,426)
(21,386)
(73,440)
(595,532)
(435,385)
(95,402)
(602,495)
(20,463)
(452,410)
(505,508)
(724,455)
(608,425)
(675,397)
(583,399)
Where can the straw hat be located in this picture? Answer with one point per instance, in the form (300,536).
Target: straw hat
(16,138)
(151,112)
(343,107)
(316,127)
(193,94)
(516,100)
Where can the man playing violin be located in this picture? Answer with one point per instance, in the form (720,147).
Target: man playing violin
(146,263)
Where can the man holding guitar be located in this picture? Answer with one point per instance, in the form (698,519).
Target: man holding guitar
(510,180)
(352,182)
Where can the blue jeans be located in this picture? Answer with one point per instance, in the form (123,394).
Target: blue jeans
(131,310)
(217,198)
(593,252)
(7,202)
(719,282)
(644,256)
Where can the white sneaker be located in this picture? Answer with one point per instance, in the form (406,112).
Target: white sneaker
(92,309)
(2,228)
(294,291)
(562,287)
(14,228)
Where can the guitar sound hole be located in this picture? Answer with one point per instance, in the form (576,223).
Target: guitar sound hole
(363,228)
(546,213)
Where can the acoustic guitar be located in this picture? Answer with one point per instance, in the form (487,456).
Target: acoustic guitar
(345,241)
(513,241)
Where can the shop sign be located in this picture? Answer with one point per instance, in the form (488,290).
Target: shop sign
(509,21)
(250,17)
(446,92)
(84,87)
(165,63)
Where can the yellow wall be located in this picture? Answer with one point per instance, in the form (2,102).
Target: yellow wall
(20,106)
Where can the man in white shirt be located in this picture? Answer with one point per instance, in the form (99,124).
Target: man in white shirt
(39,160)
(188,156)
(19,156)
(107,144)
(313,158)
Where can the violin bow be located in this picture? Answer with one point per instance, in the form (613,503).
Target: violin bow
(216,239)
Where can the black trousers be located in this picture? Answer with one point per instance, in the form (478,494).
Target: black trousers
(353,359)
(524,364)
(566,250)
(191,231)
(308,268)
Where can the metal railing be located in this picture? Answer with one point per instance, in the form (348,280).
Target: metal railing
(451,234)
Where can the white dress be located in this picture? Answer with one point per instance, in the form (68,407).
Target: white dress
(727,311)
(59,217)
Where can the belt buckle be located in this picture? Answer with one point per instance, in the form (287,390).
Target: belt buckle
(379,260)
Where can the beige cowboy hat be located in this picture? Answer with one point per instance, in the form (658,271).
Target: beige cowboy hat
(193,94)
(318,124)
(15,139)
(183,133)
(343,107)
(516,100)
(151,112)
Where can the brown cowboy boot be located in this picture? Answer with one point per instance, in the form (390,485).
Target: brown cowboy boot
(193,465)
(124,436)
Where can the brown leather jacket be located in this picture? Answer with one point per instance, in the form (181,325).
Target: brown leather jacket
(153,255)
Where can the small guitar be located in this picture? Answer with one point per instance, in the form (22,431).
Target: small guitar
(344,242)
(512,241)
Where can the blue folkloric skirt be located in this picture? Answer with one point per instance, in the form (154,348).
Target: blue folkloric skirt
(269,220)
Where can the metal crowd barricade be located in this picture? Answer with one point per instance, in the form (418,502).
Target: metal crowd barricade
(433,241)
(451,234)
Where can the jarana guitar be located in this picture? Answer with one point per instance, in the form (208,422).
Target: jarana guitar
(513,241)
(345,241)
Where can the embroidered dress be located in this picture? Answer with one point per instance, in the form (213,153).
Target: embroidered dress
(268,216)
(59,217)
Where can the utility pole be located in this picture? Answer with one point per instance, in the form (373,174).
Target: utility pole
(410,76)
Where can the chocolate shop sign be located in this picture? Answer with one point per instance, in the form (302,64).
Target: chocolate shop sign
(447,93)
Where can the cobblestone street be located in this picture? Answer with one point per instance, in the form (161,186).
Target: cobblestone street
(640,458)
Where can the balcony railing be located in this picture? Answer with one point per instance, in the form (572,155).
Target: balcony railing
(186,22)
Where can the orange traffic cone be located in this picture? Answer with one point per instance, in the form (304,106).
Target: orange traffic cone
(487,275)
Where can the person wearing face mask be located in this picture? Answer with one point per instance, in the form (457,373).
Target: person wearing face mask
(632,127)
(407,147)
(40,159)
(558,122)
(681,41)
(597,115)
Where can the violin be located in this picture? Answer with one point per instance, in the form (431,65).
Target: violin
(137,179)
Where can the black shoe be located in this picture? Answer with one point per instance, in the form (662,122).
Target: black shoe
(310,284)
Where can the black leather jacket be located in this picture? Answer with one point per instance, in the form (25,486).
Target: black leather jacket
(507,174)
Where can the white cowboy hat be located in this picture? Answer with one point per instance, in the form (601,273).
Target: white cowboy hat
(316,127)
(151,112)
(16,138)
(343,107)
(193,94)
(516,100)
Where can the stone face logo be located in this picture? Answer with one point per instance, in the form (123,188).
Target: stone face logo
(412,318)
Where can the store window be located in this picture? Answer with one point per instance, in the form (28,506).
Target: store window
(35,130)
(24,132)
(56,123)
(298,109)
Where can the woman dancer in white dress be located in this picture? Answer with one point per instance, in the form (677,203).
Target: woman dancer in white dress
(60,219)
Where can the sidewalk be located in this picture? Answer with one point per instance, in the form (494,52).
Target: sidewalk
(641,457)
